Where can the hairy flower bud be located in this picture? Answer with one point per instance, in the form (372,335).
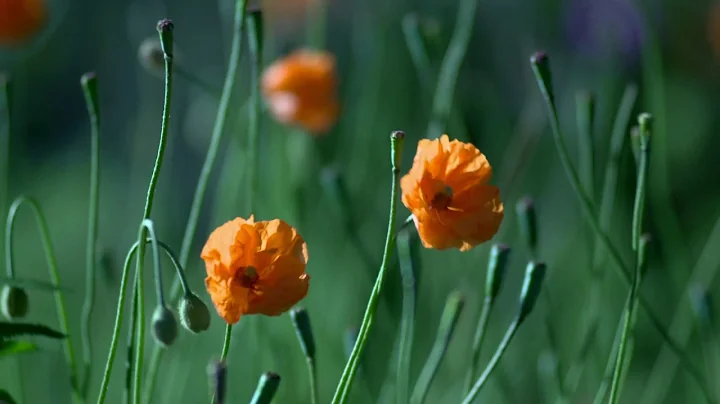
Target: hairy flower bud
(164,325)
(194,313)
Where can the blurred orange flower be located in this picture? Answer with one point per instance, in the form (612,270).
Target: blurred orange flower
(255,268)
(300,90)
(448,194)
(20,19)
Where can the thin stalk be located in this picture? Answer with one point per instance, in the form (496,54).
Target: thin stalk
(407,319)
(317,24)
(196,207)
(6,89)
(587,207)
(119,312)
(312,373)
(450,68)
(346,380)
(477,343)
(89,85)
(509,334)
(129,355)
(255,39)
(165,28)
(54,277)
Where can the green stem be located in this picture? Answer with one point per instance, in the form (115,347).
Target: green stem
(407,320)
(89,85)
(587,207)
(196,207)
(509,334)
(6,90)
(477,343)
(346,380)
(54,277)
(450,68)
(254,31)
(312,372)
(225,350)
(129,358)
(120,309)
(165,28)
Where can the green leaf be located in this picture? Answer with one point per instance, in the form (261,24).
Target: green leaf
(31,284)
(6,398)
(12,330)
(13,347)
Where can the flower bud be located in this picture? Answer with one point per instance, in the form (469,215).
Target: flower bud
(527,218)
(164,325)
(194,313)
(301,322)
(532,285)
(266,388)
(496,270)
(13,302)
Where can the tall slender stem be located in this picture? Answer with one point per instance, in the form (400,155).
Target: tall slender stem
(407,319)
(312,372)
(198,198)
(89,85)
(509,334)
(346,380)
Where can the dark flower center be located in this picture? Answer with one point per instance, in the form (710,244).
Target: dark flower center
(247,277)
(442,199)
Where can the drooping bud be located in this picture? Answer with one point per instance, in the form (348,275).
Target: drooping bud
(14,302)
(194,313)
(301,321)
(497,263)
(540,64)
(164,325)
(532,285)
(527,219)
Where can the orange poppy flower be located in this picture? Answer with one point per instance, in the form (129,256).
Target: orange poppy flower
(20,19)
(255,268)
(300,90)
(448,194)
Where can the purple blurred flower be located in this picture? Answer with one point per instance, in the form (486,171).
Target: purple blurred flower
(604,28)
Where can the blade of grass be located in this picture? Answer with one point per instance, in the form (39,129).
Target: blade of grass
(407,319)
(450,316)
(450,68)
(90,90)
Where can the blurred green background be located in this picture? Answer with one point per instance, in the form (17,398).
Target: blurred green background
(664,47)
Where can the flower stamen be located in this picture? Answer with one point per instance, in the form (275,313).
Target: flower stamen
(247,277)
(442,199)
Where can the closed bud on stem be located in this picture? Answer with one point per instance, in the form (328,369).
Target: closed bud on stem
(540,64)
(194,313)
(397,139)
(165,30)
(164,326)
(645,121)
(301,322)
(266,388)
(497,263)
(527,219)
(14,302)
(532,285)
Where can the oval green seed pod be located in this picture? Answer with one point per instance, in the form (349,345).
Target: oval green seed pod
(14,302)
(165,329)
(194,313)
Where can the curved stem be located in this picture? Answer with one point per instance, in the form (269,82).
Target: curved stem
(196,207)
(509,334)
(477,343)
(130,358)
(54,277)
(121,307)
(226,342)
(346,380)
(89,85)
